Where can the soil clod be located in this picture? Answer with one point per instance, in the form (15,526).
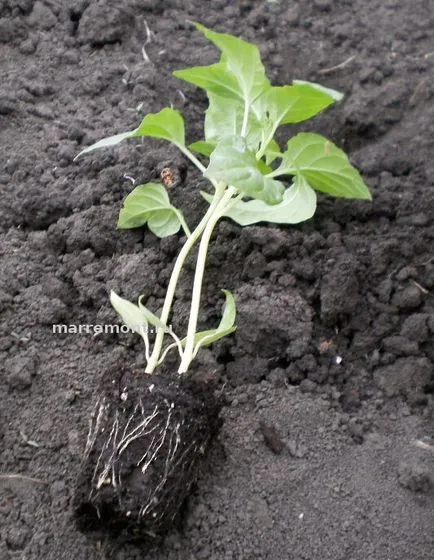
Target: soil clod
(147,438)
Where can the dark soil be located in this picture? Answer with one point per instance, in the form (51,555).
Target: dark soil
(325,450)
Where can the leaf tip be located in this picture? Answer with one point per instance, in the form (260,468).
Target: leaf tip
(335,95)
(83,151)
(114,298)
(368,194)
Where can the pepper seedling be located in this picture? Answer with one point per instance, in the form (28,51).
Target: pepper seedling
(247,170)
(147,436)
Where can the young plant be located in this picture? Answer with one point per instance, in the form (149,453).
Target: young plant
(147,436)
(247,169)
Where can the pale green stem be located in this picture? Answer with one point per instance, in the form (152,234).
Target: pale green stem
(177,343)
(179,263)
(198,278)
(245,119)
(146,341)
(183,224)
(265,143)
(167,350)
(192,157)
(281,171)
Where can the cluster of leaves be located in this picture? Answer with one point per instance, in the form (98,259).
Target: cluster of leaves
(241,96)
(241,153)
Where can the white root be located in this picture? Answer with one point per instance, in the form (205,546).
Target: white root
(160,429)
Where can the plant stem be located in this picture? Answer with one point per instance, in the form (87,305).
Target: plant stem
(188,354)
(192,157)
(265,143)
(179,263)
(183,224)
(282,171)
(245,118)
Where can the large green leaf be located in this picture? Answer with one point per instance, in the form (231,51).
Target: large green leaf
(293,104)
(168,124)
(242,59)
(233,163)
(290,104)
(240,73)
(298,205)
(215,78)
(324,166)
(150,204)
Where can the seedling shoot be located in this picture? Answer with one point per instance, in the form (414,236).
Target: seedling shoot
(247,170)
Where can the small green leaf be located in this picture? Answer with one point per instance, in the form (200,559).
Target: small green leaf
(106,143)
(226,326)
(202,147)
(263,167)
(298,205)
(324,166)
(130,314)
(150,204)
(168,124)
(233,163)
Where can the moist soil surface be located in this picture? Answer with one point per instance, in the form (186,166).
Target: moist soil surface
(325,449)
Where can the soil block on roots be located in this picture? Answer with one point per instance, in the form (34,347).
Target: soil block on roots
(147,438)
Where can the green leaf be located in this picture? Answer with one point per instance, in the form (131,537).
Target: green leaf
(202,147)
(214,78)
(298,205)
(150,204)
(130,314)
(226,326)
(240,73)
(150,317)
(324,166)
(136,317)
(106,143)
(164,222)
(224,118)
(242,59)
(292,104)
(168,124)
(233,163)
